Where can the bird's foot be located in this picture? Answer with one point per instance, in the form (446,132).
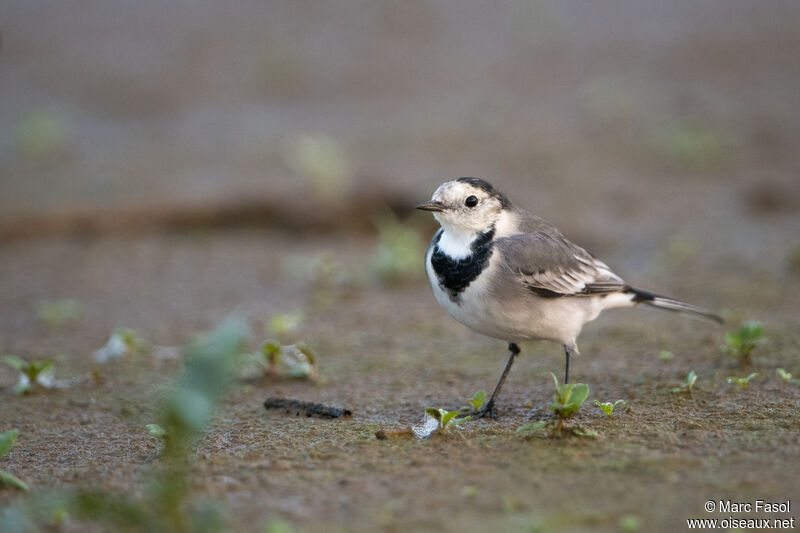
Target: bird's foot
(487,409)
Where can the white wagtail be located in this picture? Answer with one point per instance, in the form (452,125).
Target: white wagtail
(508,274)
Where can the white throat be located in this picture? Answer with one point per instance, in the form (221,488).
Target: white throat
(456,243)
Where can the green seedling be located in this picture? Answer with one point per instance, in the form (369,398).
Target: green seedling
(123,342)
(666,355)
(786,377)
(157,432)
(32,374)
(293,361)
(396,257)
(566,401)
(476,402)
(742,382)
(688,384)
(568,398)
(608,407)
(283,325)
(741,344)
(533,426)
(185,411)
(60,312)
(445,419)
(7,441)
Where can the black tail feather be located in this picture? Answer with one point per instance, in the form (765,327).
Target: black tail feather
(670,304)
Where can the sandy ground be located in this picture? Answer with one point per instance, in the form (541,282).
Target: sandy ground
(386,353)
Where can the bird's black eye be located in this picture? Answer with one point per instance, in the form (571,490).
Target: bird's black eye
(471,201)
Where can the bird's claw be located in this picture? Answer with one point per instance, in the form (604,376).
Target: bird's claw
(486,410)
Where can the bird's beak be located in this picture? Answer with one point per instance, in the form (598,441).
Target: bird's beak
(432,206)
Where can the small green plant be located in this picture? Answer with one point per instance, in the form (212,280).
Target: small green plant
(7,441)
(32,374)
(59,312)
(740,345)
(566,401)
(296,361)
(445,419)
(785,376)
(742,382)
(156,431)
(476,402)
(187,407)
(630,523)
(666,355)
(608,407)
(283,325)
(688,385)
(123,341)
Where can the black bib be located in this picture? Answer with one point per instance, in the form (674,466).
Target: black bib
(455,275)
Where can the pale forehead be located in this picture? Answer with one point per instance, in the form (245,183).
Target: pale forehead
(457,189)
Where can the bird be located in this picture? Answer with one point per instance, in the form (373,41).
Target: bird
(509,274)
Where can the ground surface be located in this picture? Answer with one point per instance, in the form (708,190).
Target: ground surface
(662,137)
(386,353)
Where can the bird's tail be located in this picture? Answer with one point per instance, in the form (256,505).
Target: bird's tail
(662,302)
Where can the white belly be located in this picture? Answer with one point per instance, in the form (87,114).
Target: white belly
(512,313)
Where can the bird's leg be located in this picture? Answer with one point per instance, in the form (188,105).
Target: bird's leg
(567,351)
(488,406)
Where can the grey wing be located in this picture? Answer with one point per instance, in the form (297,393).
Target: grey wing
(549,265)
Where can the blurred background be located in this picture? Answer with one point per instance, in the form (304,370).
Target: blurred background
(163,164)
(606,111)
(634,126)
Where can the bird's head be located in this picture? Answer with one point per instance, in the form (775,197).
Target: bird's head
(467,205)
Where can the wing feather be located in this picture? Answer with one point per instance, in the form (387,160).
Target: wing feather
(548,264)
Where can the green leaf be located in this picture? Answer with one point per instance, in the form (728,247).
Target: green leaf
(435,413)
(458,421)
(40,367)
(742,382)
(535,426)
(447,416)
(282,324)
(22,386)
(751,330)
(607,407)
(555,380)
(733,340)
(666,355)
(12,481)
(578,393)
(785,376)
(7,441)
(15,362)
(478,399)
(156,431)
(584,432)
